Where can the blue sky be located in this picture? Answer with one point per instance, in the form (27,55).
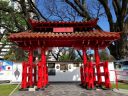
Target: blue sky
(103,22)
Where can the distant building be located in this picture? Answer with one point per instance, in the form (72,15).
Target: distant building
(121,67)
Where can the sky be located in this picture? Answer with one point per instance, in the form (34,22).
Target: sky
(103,22)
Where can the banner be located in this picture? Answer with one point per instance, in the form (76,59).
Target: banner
(6,68)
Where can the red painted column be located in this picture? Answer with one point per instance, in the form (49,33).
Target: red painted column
(94,77)
(40,75)
(40,82)
(30,72)
(84,56)
(81,75)
(45,70)
(24,75)
(35,70)
(35,77)
(85,67)
(106,73)
(91,79)
(97,58)
(47,75)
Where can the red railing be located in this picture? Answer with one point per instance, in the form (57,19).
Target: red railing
(119,73)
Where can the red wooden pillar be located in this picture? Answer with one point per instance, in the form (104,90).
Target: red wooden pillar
(85,67)
(84,56)
(45,70)
(35,77)
(47,75)
(97,58)
(81,75)
(30,71)
(40,82)
(106,73)
(24,75)
(91,79)
(94,77)
(40,75)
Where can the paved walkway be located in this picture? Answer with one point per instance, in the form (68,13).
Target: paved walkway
(66,89)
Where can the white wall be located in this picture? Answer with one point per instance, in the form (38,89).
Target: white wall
(111,71)
(17,77)
(72,74)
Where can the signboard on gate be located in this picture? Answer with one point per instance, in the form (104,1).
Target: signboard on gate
(63,29)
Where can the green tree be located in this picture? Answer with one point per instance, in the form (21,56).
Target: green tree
(118,21)
(15,19)
(68,55)
(104,55)
(11,21)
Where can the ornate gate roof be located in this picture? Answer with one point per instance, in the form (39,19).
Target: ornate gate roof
(73,38)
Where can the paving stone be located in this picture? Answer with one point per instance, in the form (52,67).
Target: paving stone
(66,89)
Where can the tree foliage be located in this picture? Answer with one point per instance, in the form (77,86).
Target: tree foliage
(13,19)
(117,21)
(116,11)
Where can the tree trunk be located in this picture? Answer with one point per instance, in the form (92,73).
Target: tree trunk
(119,49)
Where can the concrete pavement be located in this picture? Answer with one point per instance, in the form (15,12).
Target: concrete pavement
(67,89)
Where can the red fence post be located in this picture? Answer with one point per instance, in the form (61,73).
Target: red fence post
(116,80)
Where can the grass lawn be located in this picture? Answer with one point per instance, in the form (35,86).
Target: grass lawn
(121,86)
(5,90)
